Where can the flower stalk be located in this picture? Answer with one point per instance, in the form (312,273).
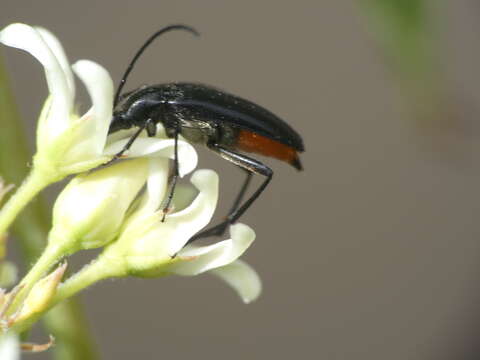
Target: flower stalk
(49,257)
(89,275)
(33,184)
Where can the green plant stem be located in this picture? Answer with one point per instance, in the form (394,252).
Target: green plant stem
(66,322)
(49,257)
(32,185)
(95,271)
(31,225)
(405,30)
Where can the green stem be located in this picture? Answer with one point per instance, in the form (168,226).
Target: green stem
(406,31)
(97,270)
(49,257)
(32,185)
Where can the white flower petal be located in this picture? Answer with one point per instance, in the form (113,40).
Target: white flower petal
(83,141)
(187,222)
(99,85)
(147,241)
(198,259)
(242,278)
(156,188)
(24,37)
(57,49)
(143,146)
(9,346)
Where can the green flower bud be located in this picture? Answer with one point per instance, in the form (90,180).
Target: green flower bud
(38,299)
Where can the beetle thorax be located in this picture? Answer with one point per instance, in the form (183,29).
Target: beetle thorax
(197,132)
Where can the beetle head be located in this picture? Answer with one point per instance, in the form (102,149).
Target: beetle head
(118,123)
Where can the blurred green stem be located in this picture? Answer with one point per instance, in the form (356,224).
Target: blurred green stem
(404,30)
(66,321)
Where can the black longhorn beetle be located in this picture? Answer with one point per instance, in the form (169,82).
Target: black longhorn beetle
(202,114)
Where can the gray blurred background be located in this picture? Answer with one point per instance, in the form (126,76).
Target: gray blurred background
(373,252)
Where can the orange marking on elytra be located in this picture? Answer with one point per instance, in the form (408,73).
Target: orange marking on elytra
(251,142)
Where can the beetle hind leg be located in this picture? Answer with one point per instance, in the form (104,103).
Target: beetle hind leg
(219,230)
(252,166)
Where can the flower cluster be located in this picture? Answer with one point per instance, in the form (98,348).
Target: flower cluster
(117,208)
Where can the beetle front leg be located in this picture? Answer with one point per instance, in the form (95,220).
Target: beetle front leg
(151,128)
(128,145)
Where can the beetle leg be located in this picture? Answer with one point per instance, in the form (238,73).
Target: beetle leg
(174,176)
(151,128)
(128,145)
(242,191)
(253,167)
(220,229)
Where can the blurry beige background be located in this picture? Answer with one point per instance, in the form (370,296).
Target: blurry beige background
(373,252)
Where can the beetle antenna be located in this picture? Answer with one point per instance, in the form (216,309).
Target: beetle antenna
(142,49)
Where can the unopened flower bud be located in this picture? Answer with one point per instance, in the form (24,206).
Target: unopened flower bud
(39,298)
(90,210)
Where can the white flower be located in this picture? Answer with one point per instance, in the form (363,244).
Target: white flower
(92,209)
(66,142)
(149,247)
